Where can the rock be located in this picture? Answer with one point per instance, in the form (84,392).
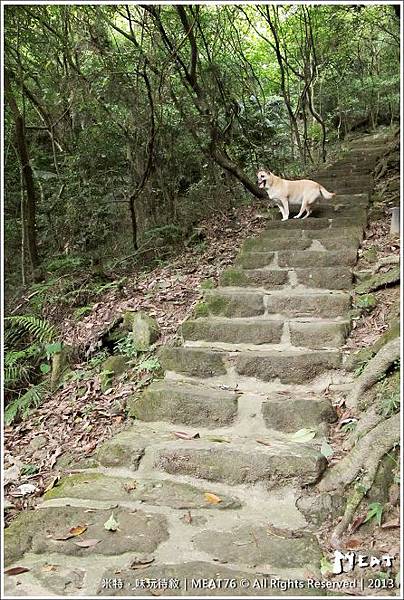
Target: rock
(250,462)
(288,413)
(318,335)
(144,329)
(60,364)
(380,280)
(36,531)
(357,360)
(318,507)
(249,331)
(198,362)
(38,442)
(185,403)
(64,581)
(255,546)
(111,368)
(287,366)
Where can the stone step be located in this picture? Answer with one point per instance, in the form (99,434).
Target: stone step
(331,278)
(289,411)
(242,461)
(185,403)
(320,258)
(154,492)
(308,334)
(349,233)
(289,366)
(327,278)
(302,303)
(318,334)
(267,279)
(234,331)
(312,223)
(299,258)
(290,302)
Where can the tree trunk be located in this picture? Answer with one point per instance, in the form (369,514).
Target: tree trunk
(28,178)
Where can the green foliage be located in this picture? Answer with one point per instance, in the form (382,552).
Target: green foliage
(82,311)
(150,365)
(349,427)
(365,302)
(41,330)
(375,513)
(126,346)
(20,406)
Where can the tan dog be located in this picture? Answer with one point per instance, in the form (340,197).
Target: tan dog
(284,192)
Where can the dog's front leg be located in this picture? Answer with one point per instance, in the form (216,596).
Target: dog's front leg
(284,209)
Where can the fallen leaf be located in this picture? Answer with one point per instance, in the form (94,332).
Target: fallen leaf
(391,524)
(187,518)
(326,450)
(141,562)
(11,475)
(186,436)
(303,435)
(87,543)
(212,498)
(353,543)
(218,439)
(112,524)
(73,532)
(52,484)
(16,570)
(264,443)
(129,487)
(47,568)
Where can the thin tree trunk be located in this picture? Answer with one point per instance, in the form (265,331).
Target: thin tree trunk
(22,209)
(28,178)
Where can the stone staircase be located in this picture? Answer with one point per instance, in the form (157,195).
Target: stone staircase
(229,500)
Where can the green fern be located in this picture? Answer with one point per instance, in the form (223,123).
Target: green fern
(40,329)
(21,406)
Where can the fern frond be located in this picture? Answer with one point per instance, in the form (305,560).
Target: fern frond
(40,329)
(20,407)
(15,374)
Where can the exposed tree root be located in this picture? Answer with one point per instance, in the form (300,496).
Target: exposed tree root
(385,261)
(364,457)
(374,370)
(378,281)
(368,421)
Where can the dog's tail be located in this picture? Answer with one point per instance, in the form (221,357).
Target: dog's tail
(326,195)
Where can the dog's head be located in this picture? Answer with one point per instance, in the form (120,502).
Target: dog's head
(263,178)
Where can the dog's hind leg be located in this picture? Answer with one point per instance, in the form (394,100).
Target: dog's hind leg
(304,207)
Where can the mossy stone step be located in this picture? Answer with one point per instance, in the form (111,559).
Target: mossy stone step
(240,304)
(312,223)
(254,260)
(234,331)
(185,403)
(289,366)
(265,244)
(266,279)
(319,258)
(351,232)
(155,492)
(291,412)
(255,546)
(196,362)
(246,461)
(37,531)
